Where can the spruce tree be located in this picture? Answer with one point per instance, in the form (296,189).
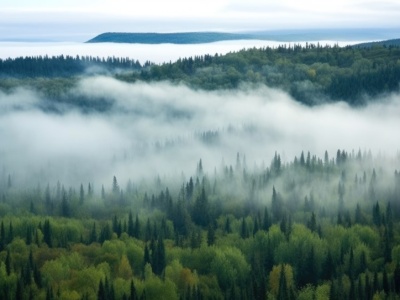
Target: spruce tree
(47,234)
(131,226)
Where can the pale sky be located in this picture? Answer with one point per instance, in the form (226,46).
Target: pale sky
(82,19)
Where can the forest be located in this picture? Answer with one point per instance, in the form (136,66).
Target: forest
(311,228)
(202,178)
(311,74)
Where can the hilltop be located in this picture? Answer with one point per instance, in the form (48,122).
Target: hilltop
(172,38)
(293,35)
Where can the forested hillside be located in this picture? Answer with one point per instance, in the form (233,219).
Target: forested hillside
(312,228)
(311,74)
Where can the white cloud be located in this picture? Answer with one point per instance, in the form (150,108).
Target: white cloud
(74,147)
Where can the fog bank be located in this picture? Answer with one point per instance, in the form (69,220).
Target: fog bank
(163,129)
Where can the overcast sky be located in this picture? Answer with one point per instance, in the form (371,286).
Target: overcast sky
(77,20)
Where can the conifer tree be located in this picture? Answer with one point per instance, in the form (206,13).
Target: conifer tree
(131,227)
(133,294)
(136,231)
(210,235)
(81,194)
(47,234)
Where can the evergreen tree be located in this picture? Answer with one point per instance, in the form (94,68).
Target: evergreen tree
(93,234)
(228,228)
(283,293)
(210,235)
(115,186)
(65,207)
(312,224)
(385,282)
(90,190)
(276,206)
(8,263)
(376,214)
(244,231)
(81,194)
(47,234)
(131,226)
(133,294)
(103,193)
(49,293)
(105,233)
(200,213)
(146,258)
(10,236)
(266,220)
(3,238)
(101,294)
(396,278)
(158,261)
(328,267)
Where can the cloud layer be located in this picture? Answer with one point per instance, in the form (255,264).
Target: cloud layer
(158,129)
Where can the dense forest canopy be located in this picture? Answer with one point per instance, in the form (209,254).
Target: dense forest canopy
(311,74)
(324,228)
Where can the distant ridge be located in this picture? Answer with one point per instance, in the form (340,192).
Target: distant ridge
(387,43)
(171,38)
(293,35)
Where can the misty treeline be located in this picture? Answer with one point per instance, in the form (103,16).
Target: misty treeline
(309,228)
(311,74)
(63,65)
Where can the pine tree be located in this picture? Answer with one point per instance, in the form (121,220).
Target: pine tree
(133,294)
(37,276)
(65,209)
(146,258)
(2,236)
(358,219)
(101,294)
(10,236)
(256,226)
(49,293)
(385,282)
(396,278)
(244,231)
(136,232)
(328,267)
(200,213)
(267,220)
(312,224)
(210,235)
(93,234)
(81,194)
(228,228)
(115,186)
(276,206)
(131,227)
(103,193)
(283,289)
(159,260)
(90,190)
(376,214)
(8,263)
(47,235)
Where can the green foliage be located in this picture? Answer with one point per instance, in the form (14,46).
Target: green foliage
(312,74)
(239,251)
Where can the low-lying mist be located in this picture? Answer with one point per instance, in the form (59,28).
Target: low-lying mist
(160,129)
